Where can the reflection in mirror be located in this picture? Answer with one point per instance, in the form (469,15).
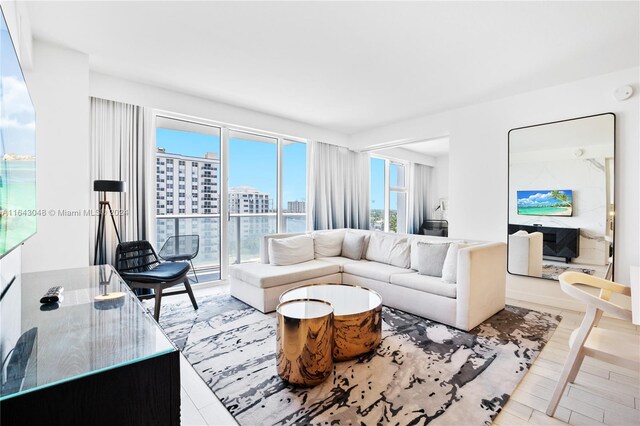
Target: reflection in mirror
(561,205)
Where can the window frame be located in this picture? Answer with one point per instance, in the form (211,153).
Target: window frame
(388,189)
(225,129)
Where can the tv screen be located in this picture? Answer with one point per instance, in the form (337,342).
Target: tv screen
(17,150)
(546,203)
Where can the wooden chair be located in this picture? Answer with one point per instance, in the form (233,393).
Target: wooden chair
(611,346)
(138,264)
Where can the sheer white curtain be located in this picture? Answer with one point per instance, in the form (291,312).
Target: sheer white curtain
(418,200)
(121,148)
(338,187)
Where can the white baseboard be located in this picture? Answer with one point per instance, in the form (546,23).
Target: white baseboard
(555,302)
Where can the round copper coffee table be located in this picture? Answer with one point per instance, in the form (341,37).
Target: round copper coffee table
(357,316)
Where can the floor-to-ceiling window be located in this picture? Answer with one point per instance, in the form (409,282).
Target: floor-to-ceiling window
(187,188)
(388,195)
(377,188)
(263,177)
(252,193)
(294,186)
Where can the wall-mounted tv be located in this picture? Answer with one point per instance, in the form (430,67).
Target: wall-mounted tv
(556,202)
(17,150)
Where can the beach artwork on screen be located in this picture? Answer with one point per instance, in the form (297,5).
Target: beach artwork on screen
(546,203)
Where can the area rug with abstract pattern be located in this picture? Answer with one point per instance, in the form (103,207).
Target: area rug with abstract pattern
(552,272)
(422,372)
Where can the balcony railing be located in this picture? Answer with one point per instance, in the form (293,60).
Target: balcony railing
(245,232)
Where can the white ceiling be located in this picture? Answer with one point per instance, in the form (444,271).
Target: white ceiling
(433,147)
(347,66)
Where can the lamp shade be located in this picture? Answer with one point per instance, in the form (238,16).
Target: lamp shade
(110,185)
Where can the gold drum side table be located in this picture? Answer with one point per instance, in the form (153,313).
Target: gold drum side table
(357,320)
(304,341)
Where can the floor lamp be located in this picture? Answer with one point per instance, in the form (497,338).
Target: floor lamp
(105,186)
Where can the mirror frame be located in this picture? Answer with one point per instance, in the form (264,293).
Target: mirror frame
(613,244)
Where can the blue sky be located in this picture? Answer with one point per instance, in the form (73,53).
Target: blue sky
(251,163)
(377,186)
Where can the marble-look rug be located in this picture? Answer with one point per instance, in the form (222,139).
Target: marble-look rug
(422,371)
(552,272)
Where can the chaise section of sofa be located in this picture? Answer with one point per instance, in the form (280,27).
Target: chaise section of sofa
(477,293)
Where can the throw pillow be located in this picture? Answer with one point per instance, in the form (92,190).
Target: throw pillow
(353,245)
(328,243)
(432,258)
(450,266)
(292,250)
(415,259)
(521,232)
(389,249)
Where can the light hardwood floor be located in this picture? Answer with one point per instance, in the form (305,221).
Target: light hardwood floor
(602,394)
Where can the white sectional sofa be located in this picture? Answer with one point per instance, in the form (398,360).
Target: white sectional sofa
(476,292)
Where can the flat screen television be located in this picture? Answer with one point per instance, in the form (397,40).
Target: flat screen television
(556,202)
(17,150)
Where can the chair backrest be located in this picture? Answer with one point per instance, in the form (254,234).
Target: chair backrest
(181,245)
(569,282)
(135,256)
(436,228)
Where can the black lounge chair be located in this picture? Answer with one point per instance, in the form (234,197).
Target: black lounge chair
(138,264)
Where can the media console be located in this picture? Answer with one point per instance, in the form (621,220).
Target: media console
(557,242)
(84,361)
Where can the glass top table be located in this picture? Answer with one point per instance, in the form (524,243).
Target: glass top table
(44,345)
(357,313)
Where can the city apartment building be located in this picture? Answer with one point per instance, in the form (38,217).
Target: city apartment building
(186,185)
(189,186)
(296,207)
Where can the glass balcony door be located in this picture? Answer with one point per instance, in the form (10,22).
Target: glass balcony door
(188,170)
(228,186)
(252,193)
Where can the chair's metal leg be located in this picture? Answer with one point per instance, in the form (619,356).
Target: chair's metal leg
(156,311)
(193,270)
(190,293)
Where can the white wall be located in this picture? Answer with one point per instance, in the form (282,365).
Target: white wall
(117,89)
(478,162)
(438,187)
(59,86)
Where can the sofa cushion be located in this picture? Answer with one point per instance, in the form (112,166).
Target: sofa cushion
(265,275)
(337,260)
(432,257)
(328,243)
(374,270)
(389,249)
(425,283)
(353,245)
(450,266)
(292,250)
(414,240)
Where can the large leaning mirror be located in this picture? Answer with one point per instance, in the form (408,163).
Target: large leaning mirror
(561,198)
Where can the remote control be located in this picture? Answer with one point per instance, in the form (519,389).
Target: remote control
(52,295)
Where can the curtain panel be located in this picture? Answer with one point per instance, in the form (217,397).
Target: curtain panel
(121,149)
(338,188)
(418,200)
